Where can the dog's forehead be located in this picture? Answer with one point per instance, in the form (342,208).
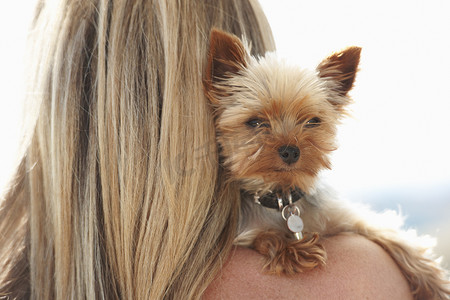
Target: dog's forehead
(270,79)
(270,87)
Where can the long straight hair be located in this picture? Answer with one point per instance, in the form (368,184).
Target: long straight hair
(119,194)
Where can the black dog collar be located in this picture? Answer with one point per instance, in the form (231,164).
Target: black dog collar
(278,200)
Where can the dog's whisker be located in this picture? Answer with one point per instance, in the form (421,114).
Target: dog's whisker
(255,137)
(255,155)
(321,150)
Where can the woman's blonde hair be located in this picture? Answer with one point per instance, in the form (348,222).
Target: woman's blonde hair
(119,192)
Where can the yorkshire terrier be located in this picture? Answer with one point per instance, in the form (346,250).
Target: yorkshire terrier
(275,127)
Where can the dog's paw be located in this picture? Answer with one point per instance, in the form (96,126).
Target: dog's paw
(286,255)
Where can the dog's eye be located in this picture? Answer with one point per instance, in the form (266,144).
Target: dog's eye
(256,123)
(314,122)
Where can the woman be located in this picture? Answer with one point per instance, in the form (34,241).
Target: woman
(118,193)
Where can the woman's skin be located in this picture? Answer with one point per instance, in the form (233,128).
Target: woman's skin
(356,269)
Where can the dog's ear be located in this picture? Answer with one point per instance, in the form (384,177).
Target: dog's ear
(341,67)
(227,56)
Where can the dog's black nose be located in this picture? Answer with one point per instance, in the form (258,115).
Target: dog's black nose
(289,154)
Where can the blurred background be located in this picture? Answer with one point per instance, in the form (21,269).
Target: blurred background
(394,149)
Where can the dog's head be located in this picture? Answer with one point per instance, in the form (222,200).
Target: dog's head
(275,123)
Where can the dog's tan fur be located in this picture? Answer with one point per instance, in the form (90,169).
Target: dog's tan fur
(284,100)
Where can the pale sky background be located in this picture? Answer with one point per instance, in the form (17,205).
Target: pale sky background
(399,133)
(15,17)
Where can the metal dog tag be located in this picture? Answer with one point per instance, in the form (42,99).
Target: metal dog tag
(291,214)
(295,223)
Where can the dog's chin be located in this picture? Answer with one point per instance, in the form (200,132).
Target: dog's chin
(277,181)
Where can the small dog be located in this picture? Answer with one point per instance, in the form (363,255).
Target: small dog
(275,126)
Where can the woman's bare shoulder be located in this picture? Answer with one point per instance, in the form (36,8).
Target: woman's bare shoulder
(356,269)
